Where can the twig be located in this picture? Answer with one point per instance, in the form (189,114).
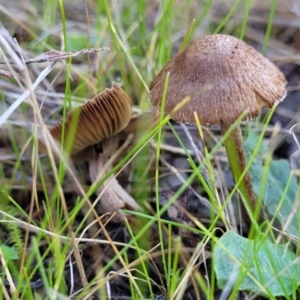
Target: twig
(172,149)
(4,290)
(52,55)
(203,200)
(8,275)
(26,94)
(35,229)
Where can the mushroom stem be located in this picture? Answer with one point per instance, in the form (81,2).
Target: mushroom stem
(113,196)
(237,160)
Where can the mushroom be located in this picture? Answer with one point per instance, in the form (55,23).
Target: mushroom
(101,120)
(224,78)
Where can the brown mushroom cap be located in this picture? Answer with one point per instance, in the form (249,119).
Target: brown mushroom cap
(103,116)
(224,78)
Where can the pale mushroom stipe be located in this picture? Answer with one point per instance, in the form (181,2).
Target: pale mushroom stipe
(224,78)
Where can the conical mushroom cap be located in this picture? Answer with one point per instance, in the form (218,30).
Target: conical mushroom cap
(224,78)
(103,116)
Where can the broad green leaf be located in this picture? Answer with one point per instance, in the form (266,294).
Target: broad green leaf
(276,186)
(251,143)
(258,266)
(9,253)
(75,42)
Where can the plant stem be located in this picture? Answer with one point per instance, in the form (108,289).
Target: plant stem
(237,160)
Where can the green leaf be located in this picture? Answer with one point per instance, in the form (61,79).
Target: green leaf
(258,266)
(276,185)
(75,42)
(9,253)
(251,143)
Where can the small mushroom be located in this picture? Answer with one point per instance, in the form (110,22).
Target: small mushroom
(224,78)
(98,120)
